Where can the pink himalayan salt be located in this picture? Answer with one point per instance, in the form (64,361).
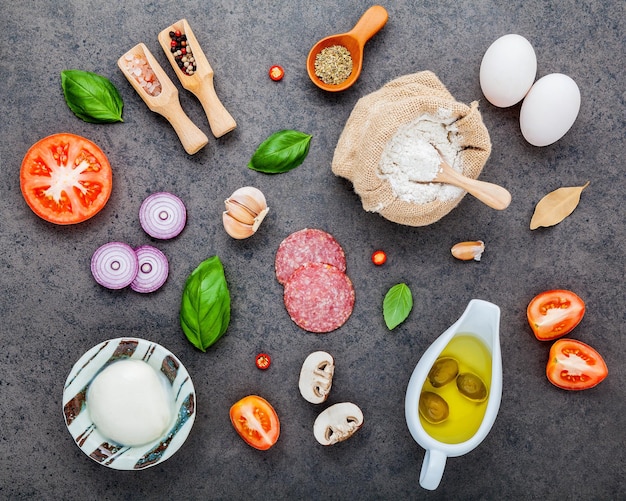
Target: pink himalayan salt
(141,71)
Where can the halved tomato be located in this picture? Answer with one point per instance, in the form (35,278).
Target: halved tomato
(65,178)
(573,365)
(554,313)
(256,422)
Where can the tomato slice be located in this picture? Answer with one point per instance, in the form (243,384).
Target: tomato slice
(573,365)
(256,422)
(554,313)
(65,178)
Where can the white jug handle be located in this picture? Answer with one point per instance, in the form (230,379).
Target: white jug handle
(432,469)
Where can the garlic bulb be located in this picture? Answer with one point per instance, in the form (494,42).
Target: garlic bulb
(245,210)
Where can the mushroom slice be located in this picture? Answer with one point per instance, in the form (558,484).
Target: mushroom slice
(316,377)
(337,423)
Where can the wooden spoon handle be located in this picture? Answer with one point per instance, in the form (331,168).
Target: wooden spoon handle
(191,137)
(371,22)
(220,120)
(493,195)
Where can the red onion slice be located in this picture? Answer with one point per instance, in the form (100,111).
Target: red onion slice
(114,265)
(153,269)
(162,215)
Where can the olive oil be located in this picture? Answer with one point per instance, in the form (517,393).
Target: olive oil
(464,414)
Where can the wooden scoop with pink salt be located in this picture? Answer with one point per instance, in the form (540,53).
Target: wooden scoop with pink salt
(160,95)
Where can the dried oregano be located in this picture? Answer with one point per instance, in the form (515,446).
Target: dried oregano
(556,206)
(333,65)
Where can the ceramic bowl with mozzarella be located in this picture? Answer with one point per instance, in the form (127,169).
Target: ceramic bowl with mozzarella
(129,403)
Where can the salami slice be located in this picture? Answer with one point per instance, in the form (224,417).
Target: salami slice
(319,297)
(307,246)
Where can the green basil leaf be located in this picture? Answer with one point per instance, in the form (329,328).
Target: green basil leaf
(91,97)
(397,305)
(205,305)
(282,151)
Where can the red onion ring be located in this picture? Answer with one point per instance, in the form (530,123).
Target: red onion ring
(114,265)
(162,215)
(153,269)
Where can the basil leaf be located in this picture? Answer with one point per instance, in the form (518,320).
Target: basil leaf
(205,305)
(282,151)
(397,305)
(91,97)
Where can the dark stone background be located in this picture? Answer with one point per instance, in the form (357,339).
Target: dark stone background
(546,443)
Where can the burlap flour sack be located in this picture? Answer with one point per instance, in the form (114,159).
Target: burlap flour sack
(374,122)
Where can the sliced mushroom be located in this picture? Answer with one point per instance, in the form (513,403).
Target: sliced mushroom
(316,377)
(337,423)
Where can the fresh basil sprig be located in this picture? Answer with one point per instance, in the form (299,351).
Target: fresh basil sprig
(205,305)
(397,305)
(91,97)
(282,151)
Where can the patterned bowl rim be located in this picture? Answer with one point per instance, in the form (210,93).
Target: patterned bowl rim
(86,435)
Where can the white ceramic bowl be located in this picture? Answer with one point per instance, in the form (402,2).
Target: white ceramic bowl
(85,433)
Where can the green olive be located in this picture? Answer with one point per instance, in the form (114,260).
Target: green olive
(472,387)
(433,408)
(443,371)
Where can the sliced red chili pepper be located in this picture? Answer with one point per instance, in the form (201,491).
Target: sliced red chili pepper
(263,361)
(379,257)
(277,73)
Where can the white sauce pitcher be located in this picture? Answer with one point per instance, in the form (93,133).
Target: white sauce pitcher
(482,319)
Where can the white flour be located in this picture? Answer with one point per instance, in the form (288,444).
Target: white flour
(410,159)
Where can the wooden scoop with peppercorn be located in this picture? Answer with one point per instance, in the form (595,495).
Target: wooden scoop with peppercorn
(157,90)
(195,73)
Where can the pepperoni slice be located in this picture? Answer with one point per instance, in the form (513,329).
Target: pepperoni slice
(307,246)
(319,297)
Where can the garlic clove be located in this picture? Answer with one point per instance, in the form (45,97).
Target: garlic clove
(250,197)
(235,228)
(259,219)
(466,251)
(246,206)
(239,211)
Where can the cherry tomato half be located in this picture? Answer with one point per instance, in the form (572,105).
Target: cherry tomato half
(256,422)
(65,178)
(554,313)
(573,365)
(277,73)
(263,361)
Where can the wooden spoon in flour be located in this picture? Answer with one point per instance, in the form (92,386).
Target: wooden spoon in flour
(493,195)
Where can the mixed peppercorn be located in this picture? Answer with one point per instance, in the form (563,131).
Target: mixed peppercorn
(182,52)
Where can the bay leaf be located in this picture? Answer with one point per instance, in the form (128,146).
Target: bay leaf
(556,206)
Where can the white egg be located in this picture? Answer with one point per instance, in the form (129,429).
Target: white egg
(508,70)
(130,403)
(549,109)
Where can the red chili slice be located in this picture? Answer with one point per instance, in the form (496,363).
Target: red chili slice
(276,73)
(263,361)
(379,258)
